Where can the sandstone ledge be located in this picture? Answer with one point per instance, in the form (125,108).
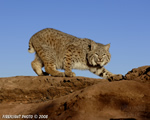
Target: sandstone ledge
(77,98)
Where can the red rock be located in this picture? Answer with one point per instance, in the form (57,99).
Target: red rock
(141,73)
(77,98)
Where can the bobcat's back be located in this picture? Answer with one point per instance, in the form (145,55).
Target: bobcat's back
(50,37)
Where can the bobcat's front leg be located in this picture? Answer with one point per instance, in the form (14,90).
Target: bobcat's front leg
(102,72)
(68,62)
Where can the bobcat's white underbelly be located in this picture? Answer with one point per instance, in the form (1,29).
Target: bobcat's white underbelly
(81,66)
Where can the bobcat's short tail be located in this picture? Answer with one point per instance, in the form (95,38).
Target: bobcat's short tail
(31,49)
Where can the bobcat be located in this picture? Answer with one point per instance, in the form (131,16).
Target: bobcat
(58,50)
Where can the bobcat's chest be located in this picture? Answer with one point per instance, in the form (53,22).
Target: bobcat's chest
(81,66)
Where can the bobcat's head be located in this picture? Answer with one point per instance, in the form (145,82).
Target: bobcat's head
(99,54)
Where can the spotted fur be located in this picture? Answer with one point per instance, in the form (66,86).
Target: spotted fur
(58,50)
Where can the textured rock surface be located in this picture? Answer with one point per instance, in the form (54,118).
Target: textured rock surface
(78,98)
(29,89)
(142,74)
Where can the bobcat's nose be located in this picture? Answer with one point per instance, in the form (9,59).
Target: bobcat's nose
(100,60)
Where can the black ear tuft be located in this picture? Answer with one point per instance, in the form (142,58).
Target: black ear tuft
(89,47)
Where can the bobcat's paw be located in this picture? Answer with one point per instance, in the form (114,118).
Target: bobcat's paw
(70,74)
(116,77)
(59,74)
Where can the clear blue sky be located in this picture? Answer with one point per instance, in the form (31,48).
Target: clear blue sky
(123,23)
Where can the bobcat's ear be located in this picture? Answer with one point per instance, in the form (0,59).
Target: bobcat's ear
(107,47)
(92,46)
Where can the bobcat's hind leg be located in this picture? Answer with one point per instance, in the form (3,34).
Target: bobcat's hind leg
(51,69)
(37,66)
(47,56)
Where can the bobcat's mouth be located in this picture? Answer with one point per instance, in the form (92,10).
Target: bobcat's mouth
(101,64)
(97,62)
(102,61)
